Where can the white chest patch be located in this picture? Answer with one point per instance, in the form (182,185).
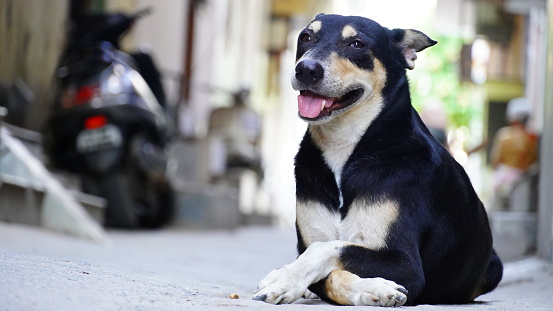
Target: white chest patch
(365,224)
(338,138)
(317,223)
(369,224)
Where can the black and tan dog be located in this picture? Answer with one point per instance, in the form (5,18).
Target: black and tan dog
(385,216)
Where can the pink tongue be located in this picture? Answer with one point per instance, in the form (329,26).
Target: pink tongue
(309,104)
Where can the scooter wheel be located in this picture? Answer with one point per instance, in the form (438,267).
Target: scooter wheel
(117,188)
(159,209)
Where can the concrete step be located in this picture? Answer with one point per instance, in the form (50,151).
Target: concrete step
(93,204)
(22,201)
(30,194)
(204,204)
(23,192)
(514,233)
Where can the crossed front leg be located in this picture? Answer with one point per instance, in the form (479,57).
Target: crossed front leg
(321,261)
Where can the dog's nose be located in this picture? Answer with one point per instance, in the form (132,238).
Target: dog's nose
(309,71)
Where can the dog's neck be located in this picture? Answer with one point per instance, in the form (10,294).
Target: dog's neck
(338,138)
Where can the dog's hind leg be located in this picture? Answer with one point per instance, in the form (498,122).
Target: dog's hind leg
(492,276)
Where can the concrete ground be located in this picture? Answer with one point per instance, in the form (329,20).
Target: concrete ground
(182,270)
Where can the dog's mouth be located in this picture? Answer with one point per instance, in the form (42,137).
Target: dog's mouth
(313,106)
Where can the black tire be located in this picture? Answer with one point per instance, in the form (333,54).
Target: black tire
(133,199)
(115,187)
(158,205)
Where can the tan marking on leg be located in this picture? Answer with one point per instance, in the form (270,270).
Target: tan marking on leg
(338,285)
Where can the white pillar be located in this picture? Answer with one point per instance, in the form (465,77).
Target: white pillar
(545,207)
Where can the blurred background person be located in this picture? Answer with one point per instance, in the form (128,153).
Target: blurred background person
(234,133)
(514,149)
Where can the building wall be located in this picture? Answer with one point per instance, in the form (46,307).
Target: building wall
(31,38)
(162,32)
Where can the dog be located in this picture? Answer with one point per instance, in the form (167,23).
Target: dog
(384,215)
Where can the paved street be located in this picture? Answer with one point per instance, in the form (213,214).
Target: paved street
(183,270)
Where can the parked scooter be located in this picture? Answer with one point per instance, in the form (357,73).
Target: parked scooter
(109,127)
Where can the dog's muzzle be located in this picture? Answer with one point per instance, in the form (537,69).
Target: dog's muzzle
(317,100)
(309,72)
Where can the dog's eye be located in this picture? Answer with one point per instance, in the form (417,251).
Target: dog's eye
(357,44)
(305,37)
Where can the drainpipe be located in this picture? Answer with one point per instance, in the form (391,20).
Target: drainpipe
(188,48)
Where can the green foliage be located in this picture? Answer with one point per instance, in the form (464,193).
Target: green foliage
(436,79)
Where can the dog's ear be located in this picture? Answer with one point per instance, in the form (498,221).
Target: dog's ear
(411,41)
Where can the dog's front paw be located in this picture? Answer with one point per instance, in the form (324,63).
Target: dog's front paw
(280,286)
(346,288)
(378,292)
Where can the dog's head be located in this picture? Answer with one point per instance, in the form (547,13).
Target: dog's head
(343,61)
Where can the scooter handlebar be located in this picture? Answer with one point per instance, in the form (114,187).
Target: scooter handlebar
(141,13)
